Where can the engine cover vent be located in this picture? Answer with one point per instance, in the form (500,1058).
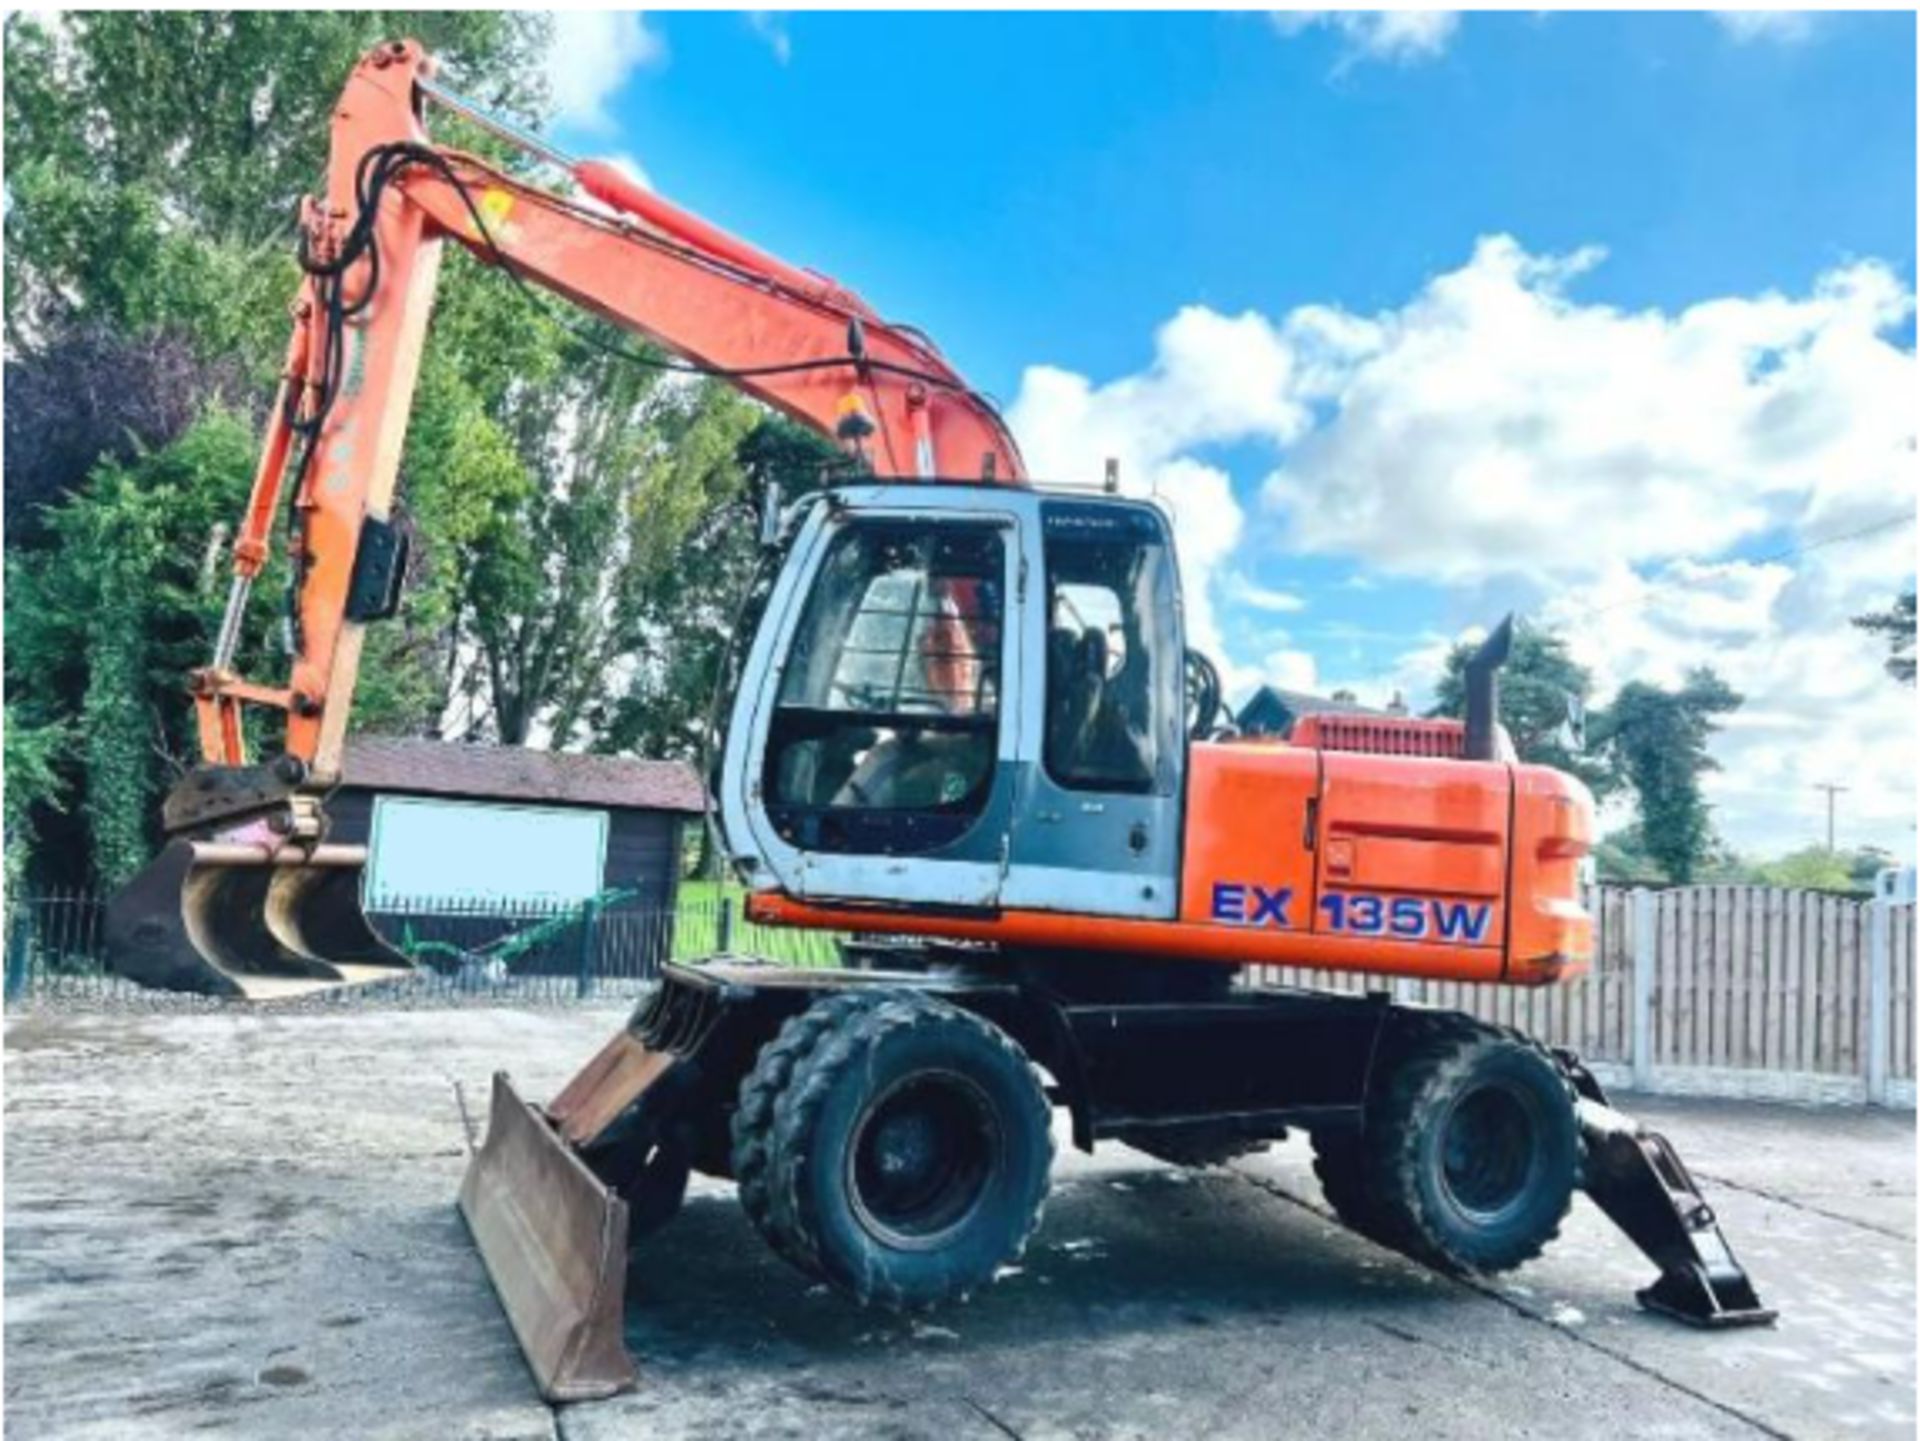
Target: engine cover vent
(1382,735)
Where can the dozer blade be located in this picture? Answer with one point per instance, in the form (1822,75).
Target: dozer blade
(555,1243)
(1637,1178)
(226,918)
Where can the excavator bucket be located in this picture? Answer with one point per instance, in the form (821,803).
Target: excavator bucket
(554,1240)
(240,920)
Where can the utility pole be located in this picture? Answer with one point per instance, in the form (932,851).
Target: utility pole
(1832,790)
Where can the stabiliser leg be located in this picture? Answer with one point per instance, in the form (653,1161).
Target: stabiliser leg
(1637,1178)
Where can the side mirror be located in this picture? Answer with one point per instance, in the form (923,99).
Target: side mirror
(770,516)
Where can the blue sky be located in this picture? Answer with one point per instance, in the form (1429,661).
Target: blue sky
(1413,267)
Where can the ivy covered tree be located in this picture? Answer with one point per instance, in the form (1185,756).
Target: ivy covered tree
(1658,739)
(104,621)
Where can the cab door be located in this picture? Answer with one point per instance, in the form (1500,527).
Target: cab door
(871,756)
(1413,850)
(1103,738)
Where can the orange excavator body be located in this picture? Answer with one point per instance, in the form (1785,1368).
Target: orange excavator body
(1295,856)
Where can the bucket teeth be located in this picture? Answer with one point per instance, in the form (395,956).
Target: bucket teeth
(242,921)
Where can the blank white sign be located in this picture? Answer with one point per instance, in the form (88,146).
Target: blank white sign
(471,851)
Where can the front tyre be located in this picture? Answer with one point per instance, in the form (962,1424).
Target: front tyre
(910,1152)
(1470,1151)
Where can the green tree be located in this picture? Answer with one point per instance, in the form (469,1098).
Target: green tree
(1896,626)
(623,464)
(1658,739)
(705,605)
(32,781)
(1812,868)
(576,534)
(1536,684)
(103,624)
(155,158)
(1620,858)
(153,164)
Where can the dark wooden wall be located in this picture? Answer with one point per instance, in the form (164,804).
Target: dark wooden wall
(643,847)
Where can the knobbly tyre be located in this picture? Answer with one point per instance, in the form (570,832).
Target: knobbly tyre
(967,730)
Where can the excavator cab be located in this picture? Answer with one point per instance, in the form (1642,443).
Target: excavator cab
(965,696)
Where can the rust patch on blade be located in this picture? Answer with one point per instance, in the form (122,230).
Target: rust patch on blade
(605,1087)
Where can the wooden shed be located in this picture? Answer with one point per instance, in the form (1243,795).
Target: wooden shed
(485,825)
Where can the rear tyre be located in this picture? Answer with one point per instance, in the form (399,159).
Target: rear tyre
(909,1152)
(1469,1154)
(1340,1164)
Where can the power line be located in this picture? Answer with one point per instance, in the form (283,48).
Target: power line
(1787,553)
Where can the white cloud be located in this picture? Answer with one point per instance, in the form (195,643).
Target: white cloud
(1497,436)
(1818,704)
(592,55)
(771,26)
(1214,378)
(1398,37)
(1778,27)
(1291,669)
(1495,426)
(629,167)
(1264,598)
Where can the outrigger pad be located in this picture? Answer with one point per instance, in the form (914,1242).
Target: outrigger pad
(554,1240)
(1637,1178)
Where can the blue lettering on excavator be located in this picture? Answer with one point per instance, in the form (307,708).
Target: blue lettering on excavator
(1461,920)
(1238,903)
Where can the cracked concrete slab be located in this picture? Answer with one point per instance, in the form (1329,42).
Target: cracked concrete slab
(244,1224)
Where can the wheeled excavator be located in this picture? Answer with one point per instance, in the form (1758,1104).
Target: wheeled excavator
(966,734)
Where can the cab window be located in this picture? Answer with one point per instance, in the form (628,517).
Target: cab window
(1113,651)
(886,727)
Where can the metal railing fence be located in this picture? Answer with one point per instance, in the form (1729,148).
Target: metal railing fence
(545,952)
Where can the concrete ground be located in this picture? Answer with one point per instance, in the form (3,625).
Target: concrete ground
(245,1225)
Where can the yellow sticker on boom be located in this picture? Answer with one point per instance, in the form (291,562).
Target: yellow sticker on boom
(495,205)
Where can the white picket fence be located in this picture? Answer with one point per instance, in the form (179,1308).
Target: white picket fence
(1749,991)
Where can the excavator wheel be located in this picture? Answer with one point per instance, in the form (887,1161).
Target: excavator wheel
(1340,1164)
(752,1125)
(1470,1151)
(905,1154)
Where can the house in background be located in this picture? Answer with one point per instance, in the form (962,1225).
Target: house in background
(502,826)
(1271,711)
